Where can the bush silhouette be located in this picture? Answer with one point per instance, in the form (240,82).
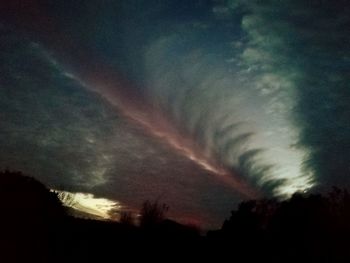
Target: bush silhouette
(306,227)
(311,227)
(152,213)
(126,218)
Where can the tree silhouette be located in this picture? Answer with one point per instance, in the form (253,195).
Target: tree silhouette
(152,213)
(126,218)
(311,227)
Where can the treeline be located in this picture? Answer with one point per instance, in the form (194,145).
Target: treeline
(306,227)
(35,227)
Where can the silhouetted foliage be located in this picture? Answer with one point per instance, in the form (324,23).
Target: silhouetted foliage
(307,227)
(152,213)
(126,218)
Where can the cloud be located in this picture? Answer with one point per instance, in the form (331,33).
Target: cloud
(69,137)
(207,96)
(305,45)
(242,81)
(50,126)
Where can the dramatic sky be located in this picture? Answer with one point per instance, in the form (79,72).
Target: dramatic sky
(199,104)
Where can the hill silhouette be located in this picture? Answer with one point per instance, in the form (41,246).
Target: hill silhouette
(35,227)
(29,216)
(39,229)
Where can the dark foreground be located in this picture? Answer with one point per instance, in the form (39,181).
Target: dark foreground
(35,227)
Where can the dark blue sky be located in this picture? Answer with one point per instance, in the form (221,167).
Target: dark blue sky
(201,103)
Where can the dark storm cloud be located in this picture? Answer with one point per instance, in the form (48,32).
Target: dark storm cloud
(323,107)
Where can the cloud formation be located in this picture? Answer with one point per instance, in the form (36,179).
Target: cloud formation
(72,138)
(152,91)
(305,46)
(48,121)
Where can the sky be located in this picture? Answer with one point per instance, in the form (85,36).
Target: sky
(198,104)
